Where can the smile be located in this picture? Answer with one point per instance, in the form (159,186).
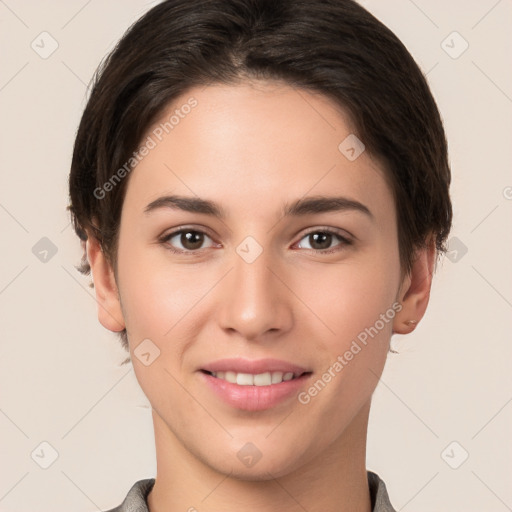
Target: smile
(260,379)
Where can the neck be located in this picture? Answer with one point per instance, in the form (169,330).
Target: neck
(334,481)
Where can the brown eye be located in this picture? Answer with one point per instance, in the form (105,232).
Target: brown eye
(191,240)
(321,241)
(185,240)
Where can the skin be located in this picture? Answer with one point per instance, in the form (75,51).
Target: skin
(251,148)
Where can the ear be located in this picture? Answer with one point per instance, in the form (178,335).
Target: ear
(414,291)
(110,314)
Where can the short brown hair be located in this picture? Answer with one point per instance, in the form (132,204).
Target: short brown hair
(334,47)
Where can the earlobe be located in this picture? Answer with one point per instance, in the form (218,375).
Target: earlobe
(414,293)
(107,297)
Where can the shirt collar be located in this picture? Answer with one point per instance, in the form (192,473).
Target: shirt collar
(136,499)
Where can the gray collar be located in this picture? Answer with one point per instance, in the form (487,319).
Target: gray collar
(136,499)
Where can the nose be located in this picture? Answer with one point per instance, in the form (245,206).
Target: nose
(255,301)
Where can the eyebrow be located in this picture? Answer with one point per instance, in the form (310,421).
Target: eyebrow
(310,205)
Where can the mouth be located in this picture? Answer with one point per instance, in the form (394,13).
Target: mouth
(259,379)
(254,384)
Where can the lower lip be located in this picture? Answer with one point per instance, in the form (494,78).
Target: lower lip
(254,398)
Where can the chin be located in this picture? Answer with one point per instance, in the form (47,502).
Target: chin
(263,467)
(255,474)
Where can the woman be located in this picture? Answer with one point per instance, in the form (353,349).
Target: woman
(262,190)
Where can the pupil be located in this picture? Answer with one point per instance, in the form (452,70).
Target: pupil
(321,239)
(192,240)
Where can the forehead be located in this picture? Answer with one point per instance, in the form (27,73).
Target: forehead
(249,144)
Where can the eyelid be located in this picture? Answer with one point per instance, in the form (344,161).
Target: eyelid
(343,234)
(185,227)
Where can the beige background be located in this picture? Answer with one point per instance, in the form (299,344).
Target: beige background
(60,379)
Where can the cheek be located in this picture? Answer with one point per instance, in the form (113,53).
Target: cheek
(348,298)
(157,300)
(357,306)
(155,294)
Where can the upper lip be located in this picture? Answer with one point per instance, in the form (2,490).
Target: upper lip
(253,366)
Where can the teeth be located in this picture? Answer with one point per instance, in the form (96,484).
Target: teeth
(244,379)
(263,379)
(277,377)
(231,377)
(248,379)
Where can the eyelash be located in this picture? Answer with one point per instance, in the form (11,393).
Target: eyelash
(344,241)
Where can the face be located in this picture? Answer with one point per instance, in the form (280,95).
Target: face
(291,267)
